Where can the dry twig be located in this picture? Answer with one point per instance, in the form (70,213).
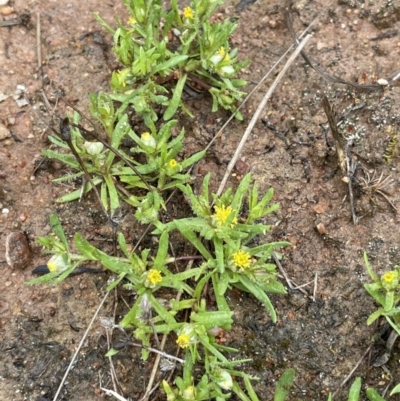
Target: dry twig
(257,114)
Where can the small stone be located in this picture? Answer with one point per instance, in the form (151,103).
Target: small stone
(320,208)
(6,10)
(3,2)
(321,228)
(4,132)
(18,253)
(382,82)
(22,217)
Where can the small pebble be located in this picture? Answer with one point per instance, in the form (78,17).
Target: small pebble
(6,10)
(4,132)
(18,253)
(5,211)
(22,217)
(319,208)
(321,228)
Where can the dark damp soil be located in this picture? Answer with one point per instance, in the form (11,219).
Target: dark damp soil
(322,331)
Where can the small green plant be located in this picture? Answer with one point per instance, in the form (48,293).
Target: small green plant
(153,157)
(158,48)
(222,234)
(234,262)
(287,379)
(162,51)
(386,292)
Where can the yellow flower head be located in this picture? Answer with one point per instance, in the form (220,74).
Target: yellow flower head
(227,57)
(188,13)
(56,263)
(148,140)
(131,21)
(222,213)
(121,79)
(154,276)
(172,163)
(221,52)
(241,259)
(389,277)
(183,340)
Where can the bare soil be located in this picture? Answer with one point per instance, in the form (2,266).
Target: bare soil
(321,333)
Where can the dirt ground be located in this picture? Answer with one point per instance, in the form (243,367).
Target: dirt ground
(322,332)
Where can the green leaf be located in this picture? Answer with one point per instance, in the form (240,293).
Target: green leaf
(57,141)
(90,252)
(122,244)
(104,195)
(112,191)
(193,159)
(375,291)
(241,192)
(373,316)
(120,131)
(370,271)
(354,392)
(111,352)
(56,226)
(192,238)
(395,327)
(267,248)
(67,159)
(254,289)
(176,98)
(284,384)
(172,62)
(249,388)
(219,254)
(77,194)
(373,395)
(159,262)
(213,319)
(161,311)
(389,301)
(114,283)
(220,285)
(103,23)
(395,390)
(240,393)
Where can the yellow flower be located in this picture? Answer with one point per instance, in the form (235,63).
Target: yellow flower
(389,277)
(154,276)
(189,393)
(241,259)
(121,80)
(222,213)
(131,21)
(148,140)
(56,263)
(183,340)
(220,55)
(172,163)
(188,13)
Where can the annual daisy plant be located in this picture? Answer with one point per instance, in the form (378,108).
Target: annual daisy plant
(385,289)
(161,51)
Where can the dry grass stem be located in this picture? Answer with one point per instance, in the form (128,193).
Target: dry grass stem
(258,112)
